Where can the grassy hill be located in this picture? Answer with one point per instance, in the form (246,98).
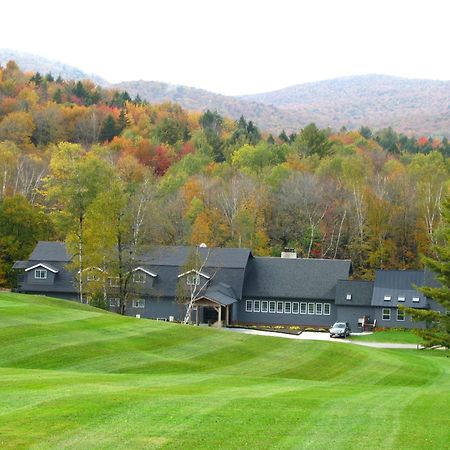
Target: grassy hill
(72,376)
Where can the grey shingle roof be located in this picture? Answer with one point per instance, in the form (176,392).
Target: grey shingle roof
(360,291)
(50,251)
(398,283)
(20,265)
(236,258)
(294,278)
(221,293)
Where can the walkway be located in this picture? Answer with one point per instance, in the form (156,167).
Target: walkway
(316,336)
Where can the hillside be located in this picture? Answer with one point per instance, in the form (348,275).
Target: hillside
(34,63)
(72,376)
(379,101)
(267,117)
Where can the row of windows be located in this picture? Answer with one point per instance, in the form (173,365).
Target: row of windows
(386,314)
(137,302)
(388,298)
(266,306)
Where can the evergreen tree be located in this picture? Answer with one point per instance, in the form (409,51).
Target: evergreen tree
(284,137)
(57,96)
(49,78)
(36,79)
(109,129)
(123,121)
(438,325)
(270,140)
(80,90)
(59,80)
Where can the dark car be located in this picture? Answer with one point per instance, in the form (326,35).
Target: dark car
(340,329)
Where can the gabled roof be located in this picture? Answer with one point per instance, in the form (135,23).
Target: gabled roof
(220,293)
(45,266)
(398,283)
(154,275)
(215,257)
(50,251)
(20,265)
(295,278)
(204,275)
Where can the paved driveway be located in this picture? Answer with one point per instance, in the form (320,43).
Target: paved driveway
(316,336)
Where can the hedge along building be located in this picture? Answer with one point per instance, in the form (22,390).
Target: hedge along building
(233,286)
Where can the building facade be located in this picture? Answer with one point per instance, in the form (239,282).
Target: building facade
(231,286)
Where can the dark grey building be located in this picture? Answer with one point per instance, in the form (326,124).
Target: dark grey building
(234,286)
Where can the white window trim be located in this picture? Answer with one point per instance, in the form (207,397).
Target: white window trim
(286,309)
(139,303)
(257,306)
(327,306)
(416,299)
(303,307)
(248,306)
(387,298)
(404,316)
(400,299)
(266,308)
(204,275)
(113,281)
(193,280)
(41,271)
(319,310)
(382,313)
(114,302)
(348,297)
(41,265)
(272,306)
(141,269)
(312,308)
(280,309)
(139,277)
(294,307)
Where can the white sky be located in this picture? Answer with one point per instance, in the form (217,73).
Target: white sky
(234,46)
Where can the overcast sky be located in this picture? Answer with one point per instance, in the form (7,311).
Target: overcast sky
(235,46)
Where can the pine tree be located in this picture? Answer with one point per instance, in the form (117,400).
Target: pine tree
(57,96)
(438,330)
(123,121)
(109,129)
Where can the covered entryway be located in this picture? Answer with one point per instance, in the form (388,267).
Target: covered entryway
(215,304)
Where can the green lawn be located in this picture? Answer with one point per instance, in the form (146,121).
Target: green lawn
(72,376)
(394,336)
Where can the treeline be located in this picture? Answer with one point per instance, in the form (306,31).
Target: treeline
(109,173)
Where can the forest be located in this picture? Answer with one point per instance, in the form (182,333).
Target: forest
(111,175)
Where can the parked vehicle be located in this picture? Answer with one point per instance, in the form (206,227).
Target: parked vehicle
(340,329)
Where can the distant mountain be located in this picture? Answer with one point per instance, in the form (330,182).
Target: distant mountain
(267,117)
(34,63)
(408,105)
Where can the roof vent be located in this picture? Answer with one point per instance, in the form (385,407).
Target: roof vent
(289,253)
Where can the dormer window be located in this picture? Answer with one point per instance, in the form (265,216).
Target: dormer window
(114,282)
(139,277)
(193,279)
(416,299)
(401,299)
(40,274)
(93,277)
(348,297)
(387,298)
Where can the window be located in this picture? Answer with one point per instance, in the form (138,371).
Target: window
(271,307)
(386,314)
(114,302)
(400,315)
(310,308)
(348,297)
(193,280)
(302,308)
(279,307)
(248,306)
(401,299)
(256,306)
(40,274)
(387,298)
(264,306)
(326,309)
(139,277)
(295,308)
(138,303)
(114,282)
(92,277)
(287,307)
(319,308)
(416,299)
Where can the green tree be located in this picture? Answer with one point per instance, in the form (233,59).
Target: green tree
(312,141)
(438,325)
(109,129)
